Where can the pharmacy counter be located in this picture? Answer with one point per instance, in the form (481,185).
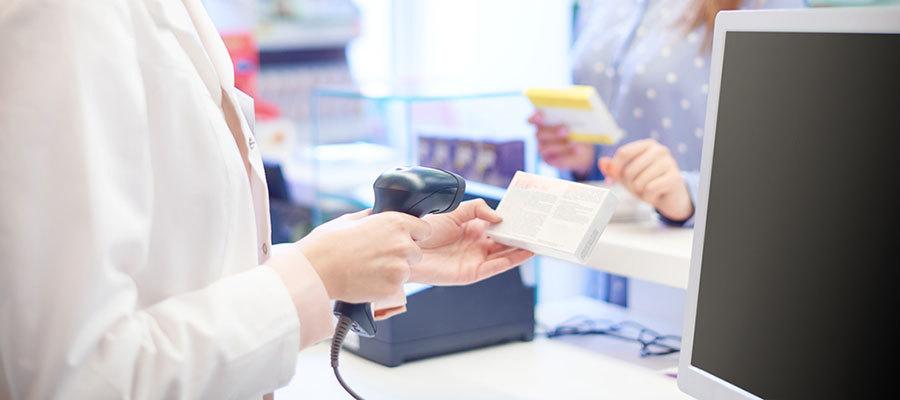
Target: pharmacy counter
(594,367)
(645,250)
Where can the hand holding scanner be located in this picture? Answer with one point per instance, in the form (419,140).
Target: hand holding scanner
(417,191)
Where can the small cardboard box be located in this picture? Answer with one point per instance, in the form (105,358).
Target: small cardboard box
(579,108)
(553,217)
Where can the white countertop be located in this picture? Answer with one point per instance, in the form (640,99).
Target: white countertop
(645,250)
(582,368)
(567,368)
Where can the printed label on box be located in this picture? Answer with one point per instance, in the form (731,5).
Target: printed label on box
(553,217)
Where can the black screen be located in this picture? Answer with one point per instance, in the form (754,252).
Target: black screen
(800,255)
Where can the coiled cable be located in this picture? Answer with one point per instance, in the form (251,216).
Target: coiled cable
(340,333)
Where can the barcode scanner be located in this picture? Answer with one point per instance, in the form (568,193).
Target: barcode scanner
(417,191)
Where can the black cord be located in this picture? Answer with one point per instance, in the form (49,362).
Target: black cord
(340,333)
(652,343)
(578,325)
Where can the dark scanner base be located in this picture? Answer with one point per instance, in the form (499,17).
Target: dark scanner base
(442,320)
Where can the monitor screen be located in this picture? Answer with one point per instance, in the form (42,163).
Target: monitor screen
(797,292)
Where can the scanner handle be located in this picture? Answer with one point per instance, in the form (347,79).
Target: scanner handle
(416,191)
(360,314)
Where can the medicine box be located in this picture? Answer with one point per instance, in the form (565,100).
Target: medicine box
(580,109)
(553,217)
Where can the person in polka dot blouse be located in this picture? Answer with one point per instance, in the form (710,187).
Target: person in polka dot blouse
(649,61)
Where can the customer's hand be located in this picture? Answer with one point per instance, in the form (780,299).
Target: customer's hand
(647,169)
(458,252)
(364,258)
(557,150)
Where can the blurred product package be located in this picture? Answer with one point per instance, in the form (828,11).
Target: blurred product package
(245,57)
(492,162)
(581,109)
(553,217)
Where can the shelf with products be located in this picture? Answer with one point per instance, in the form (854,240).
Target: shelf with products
(357,133)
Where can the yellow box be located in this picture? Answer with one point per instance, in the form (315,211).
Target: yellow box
(579,108)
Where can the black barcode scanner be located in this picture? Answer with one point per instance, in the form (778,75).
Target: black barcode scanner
(417,191)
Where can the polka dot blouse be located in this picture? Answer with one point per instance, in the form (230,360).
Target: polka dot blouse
(650,69)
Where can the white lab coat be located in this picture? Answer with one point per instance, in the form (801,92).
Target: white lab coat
(134,238)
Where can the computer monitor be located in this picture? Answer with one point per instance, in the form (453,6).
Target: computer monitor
(795,255)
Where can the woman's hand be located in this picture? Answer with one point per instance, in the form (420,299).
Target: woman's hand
(365,258)
(647,169)
(557,150)
(458,252)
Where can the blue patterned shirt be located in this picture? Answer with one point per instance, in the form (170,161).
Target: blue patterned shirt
(652,71)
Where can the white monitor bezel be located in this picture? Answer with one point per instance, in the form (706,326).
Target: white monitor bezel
(693,380)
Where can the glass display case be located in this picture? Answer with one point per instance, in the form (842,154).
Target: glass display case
(356,134)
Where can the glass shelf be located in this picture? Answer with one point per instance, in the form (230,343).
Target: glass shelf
(357,133)
(412,93)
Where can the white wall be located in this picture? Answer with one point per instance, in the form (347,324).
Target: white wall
(482,44)
(232,15)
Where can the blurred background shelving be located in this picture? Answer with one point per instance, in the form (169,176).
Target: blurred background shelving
(348,88)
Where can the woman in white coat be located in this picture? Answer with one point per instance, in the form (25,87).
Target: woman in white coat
(135,258)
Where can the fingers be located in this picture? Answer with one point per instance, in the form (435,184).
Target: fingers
(641,162)
(495,247)
(417,228)
(655,190)
(536,118)
(556,151)
(407,248)
(625,154)
(472,209)
(606,168)
(507,252)
(661,186)
(552,133)
(655,170)
(502,263)
(485,212)
(629,151)
(553,142)
(500,252)
(518,257)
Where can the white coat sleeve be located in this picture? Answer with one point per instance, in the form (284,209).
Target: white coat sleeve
(76,193)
